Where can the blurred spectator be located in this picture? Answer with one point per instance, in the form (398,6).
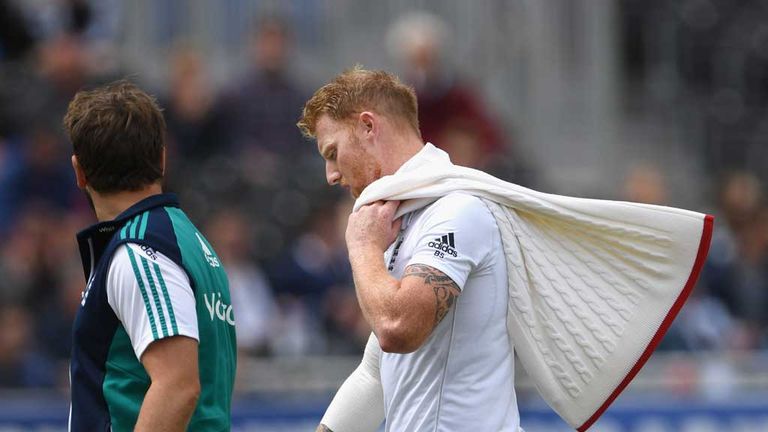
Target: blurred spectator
(645,183)
(451,115)
(57,296)
(703,324)
(314,270)
(740,199)
(461,141)
(736,272)
(66,66)
(37,92)
(18,260)
(252,298)
(45,174)
(195,125)
(23,265)
(263,106)
(57,313)
(261,109)
(20,364)
(34,255)
(346,328)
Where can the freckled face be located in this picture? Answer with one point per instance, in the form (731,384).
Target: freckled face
(347,162)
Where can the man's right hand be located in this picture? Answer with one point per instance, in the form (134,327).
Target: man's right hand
(372,226)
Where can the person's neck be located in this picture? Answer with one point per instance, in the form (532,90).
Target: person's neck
(404,152)
(109,206)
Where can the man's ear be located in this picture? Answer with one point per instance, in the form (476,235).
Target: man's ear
(370,123)
(82,182)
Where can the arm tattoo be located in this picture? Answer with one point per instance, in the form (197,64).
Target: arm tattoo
(444,287)
(323,428)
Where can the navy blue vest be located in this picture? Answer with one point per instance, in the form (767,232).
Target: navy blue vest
(145,223)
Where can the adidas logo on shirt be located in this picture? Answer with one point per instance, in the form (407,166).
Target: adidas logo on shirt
(444,245)
(150,252)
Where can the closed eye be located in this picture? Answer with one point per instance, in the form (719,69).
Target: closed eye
(329,154)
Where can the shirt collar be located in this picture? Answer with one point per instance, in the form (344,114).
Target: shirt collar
(159,200)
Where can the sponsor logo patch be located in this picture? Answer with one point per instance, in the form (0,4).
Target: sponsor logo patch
(219,309)
(213,261)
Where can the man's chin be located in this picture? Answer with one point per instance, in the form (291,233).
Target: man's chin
(352,191)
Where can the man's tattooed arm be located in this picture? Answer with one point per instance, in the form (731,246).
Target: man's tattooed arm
(323,428)
(444,287)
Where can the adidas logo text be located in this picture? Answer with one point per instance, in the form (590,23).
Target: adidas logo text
(444,245)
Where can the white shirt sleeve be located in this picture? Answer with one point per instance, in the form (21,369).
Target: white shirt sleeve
(151,296)
(455,236)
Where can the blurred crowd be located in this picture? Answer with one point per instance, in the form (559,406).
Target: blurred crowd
(244,173)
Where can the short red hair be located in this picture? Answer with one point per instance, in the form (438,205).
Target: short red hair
(357,90)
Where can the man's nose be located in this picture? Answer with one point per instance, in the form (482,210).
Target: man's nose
(332,175)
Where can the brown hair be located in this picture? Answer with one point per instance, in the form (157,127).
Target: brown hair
(357,90)
(118,136)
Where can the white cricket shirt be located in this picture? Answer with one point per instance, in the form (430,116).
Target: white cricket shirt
(462,378)
(151,296)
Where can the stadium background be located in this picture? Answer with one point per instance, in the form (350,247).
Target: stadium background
(654,101)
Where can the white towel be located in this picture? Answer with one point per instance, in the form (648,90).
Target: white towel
(598,285)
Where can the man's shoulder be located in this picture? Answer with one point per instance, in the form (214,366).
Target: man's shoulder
(130,259)
(135,250)
(460,205)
